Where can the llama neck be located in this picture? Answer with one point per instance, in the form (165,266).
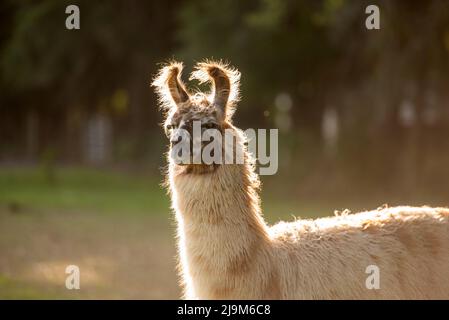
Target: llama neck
(225,198)
(220,225)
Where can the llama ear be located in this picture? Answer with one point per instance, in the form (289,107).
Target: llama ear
(169,86)
(225,85)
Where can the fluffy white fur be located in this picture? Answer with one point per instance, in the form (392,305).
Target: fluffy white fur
(227,251)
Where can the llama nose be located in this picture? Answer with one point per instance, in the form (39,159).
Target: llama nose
(175,140)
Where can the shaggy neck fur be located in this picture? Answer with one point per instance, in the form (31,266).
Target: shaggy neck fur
(227,251)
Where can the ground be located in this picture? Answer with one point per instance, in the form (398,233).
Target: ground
(118,258)
(116,227)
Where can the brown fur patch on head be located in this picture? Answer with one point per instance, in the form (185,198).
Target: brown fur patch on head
(194,111)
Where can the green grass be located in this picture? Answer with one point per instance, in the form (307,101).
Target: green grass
(108,191)
(11,289)
(81,189)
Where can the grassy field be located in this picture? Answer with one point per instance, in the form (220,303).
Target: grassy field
(80,188)
(115,226)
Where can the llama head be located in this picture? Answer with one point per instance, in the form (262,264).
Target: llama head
(189,116)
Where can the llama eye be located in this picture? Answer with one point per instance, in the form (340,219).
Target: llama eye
(209,125)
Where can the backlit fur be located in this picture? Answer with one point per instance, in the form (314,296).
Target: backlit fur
(227,251)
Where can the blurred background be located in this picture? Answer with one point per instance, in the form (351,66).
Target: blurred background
(363,119)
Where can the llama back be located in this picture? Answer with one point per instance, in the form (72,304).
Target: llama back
(328,258)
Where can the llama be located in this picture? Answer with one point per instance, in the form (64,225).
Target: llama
(227,251)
